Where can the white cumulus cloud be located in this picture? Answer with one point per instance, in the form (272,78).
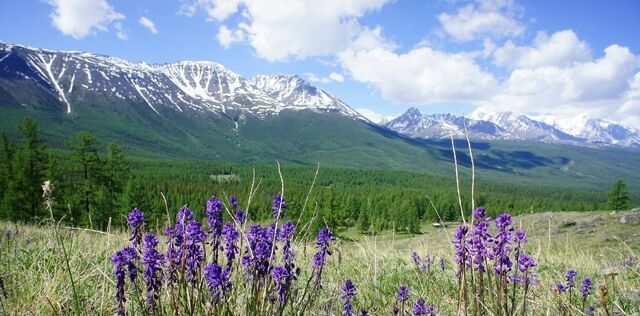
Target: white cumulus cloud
(333,76)
(79,18)
(279,30)
(422,75)
(599,87)
(561,49)
(227,37)
(336,77)
(487,18)
(148,24)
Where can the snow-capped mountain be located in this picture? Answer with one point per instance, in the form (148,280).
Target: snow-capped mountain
(520,126)
(298,93)
(514,126)
(185,86)
(596,131)
(415,124)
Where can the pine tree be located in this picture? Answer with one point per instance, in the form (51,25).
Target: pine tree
(363,221)
(618,198)
(24,192)
(5,169)
(135,195)
(116,176)
(87,171)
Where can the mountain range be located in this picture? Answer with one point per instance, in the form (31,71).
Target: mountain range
(514,126)
(203,110)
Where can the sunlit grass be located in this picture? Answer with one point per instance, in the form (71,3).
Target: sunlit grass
(33,269)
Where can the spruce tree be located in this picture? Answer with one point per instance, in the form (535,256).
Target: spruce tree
(619,198)
(23,198)
(87,175)
(363,221)
(116,176)
(5,169)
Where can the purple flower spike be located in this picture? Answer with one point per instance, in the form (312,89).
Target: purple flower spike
(560,288)
(280,276)
(240,217)
(421,308)
(218,282)
(194,241)
(348,292)
(278,205)
(231,237)
(233,201)
(585,289)
(322,244)
(478,213)
(571,278)
(403,294)
(462,252)
(122,260)
(152,261)
(136,221)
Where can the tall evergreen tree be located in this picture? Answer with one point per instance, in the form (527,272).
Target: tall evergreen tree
(618,198)
(5,169)
(24,193)
(87,174)
(116,175)
(363,221)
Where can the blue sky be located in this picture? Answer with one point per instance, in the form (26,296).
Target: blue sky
(556,58)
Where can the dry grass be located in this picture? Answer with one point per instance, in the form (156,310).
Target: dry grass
(37,283)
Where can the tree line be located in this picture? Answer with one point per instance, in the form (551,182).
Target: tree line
(95,185)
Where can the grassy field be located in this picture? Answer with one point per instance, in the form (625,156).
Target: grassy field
(37,281)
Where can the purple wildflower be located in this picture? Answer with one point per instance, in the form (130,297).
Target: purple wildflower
(348,292)
(152,261)
(462,256)
(560,288)
(525,264)
(403,294)
(442,264)
(571,278)
(218,281)
(240,217)
(364,313)
(421,308)
(585,289)
(278,205)
(322,244)
(478,213)
(183,217)
(590,310)
(136,221)
(231,237)
(121,260)
(194,240)
(215,221)
(280,276)
(502,244)
(233,202)
(285,235)
(256,261)
(521,237)
(173,256)
(479,243)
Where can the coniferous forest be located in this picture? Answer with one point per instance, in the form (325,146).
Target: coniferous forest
(96,184)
